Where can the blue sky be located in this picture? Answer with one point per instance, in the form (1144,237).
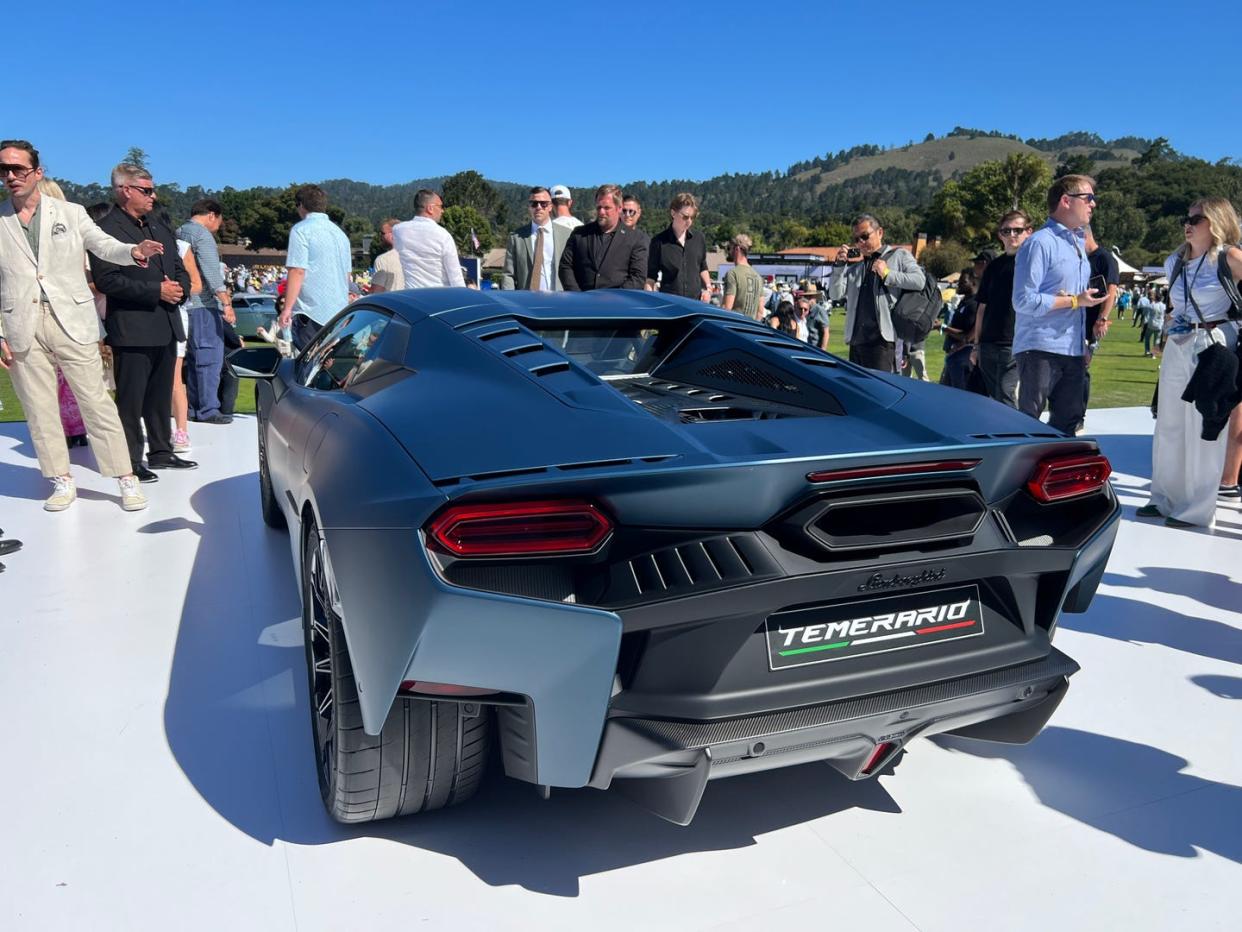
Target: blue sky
(230,93)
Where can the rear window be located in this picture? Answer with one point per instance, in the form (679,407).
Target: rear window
(615,352)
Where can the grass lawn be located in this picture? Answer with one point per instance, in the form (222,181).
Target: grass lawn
(1120,375)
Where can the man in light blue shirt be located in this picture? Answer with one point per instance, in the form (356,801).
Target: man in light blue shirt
(319,267)
(1050,294)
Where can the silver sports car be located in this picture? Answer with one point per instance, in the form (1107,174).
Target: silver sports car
(632,541)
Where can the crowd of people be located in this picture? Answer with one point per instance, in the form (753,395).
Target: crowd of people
(1023,328)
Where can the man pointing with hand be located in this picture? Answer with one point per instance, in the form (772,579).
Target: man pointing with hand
(48,320)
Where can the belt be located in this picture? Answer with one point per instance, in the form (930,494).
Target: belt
(1209,325)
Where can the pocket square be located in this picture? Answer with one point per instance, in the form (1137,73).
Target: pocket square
(58,229)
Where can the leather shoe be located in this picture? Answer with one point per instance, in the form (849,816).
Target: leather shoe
(173,461)
(145,475)
(9,546)
(214,419)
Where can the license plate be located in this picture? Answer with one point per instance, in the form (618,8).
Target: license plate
(847,630)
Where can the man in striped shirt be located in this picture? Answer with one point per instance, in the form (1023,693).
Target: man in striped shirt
(208,311)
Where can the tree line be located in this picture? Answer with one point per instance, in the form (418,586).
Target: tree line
(1138,209)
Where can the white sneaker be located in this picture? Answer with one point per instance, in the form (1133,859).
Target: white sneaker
(63,494)
(132,498)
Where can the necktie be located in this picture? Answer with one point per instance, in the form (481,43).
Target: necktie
(536,263)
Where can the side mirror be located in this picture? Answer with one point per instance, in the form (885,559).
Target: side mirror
(254,362)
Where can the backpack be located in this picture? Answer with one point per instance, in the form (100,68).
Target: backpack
(1224,273)
(915,311)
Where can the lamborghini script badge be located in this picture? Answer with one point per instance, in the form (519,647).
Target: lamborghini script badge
(852,629)
(897,581)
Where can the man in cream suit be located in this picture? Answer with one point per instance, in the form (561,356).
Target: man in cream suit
(520,252)
(47,319)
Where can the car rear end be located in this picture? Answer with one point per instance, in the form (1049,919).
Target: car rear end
(770,612)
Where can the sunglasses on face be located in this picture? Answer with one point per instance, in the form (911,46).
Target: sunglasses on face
(541,205)
(686,217)
(17,171)
(1193,220)
(148,192)
(1011,231)
(1086,196)
(629,211)
(862,237)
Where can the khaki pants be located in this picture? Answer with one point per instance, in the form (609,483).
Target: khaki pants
(34,379)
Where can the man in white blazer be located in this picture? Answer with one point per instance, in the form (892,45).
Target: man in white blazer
(520,250)
(47,319)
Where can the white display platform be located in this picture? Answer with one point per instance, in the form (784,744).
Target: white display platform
(157,769)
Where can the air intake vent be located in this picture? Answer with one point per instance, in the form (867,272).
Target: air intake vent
(743,373)
(714,563)
(901,520)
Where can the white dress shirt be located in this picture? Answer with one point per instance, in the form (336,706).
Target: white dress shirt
(546,280)
(428,254)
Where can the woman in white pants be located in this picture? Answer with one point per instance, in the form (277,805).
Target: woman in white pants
(1186,469)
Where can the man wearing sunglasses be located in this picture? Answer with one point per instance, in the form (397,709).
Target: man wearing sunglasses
(677,255)
(533,252)
(143,321)
(47,319)
(1050,299)
(871,284)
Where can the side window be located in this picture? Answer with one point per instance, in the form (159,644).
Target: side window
(343,352)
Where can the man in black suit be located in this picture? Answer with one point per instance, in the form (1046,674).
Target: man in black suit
(604,253)
(143,321)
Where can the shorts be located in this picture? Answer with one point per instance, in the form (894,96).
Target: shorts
(185,328)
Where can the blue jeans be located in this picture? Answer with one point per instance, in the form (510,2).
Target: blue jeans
(204,358)
(1055,380)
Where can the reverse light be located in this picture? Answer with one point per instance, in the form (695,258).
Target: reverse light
(1059,478)
(880,752)
(520,529)
(893,469)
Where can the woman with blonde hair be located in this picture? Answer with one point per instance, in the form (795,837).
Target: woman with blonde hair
(1186,469)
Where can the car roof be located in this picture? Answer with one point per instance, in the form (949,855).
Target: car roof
(463,305)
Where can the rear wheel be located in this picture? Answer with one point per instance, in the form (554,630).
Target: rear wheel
(427,756)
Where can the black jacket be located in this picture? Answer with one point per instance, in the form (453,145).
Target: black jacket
(136,315)
(1213,388)
(593,259)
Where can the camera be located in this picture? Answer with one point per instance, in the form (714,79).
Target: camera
(853,253)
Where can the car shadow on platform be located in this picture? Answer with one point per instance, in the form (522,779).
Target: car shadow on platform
(1143,623)
(1134,792)
(237,721)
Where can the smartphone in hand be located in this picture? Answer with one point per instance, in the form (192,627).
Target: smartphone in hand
(1098,285)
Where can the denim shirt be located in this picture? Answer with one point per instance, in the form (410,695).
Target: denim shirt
(1052,261)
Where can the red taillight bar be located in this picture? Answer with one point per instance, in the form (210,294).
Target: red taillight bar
(520,529)
(1058,478)
(893,469)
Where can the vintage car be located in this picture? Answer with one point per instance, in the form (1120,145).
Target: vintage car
(638,542)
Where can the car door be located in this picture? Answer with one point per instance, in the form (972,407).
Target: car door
(316,393)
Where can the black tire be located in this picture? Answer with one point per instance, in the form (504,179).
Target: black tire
(428,755)
(272,515)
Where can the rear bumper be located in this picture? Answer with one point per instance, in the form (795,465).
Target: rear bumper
(665,765)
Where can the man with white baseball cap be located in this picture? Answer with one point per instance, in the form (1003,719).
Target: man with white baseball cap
(562,201)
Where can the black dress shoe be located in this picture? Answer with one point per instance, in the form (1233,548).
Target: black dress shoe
(9,546)
(172,461)
(145,475)
(214,419)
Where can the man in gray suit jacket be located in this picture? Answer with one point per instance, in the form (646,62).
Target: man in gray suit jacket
(540,235)
(47,319)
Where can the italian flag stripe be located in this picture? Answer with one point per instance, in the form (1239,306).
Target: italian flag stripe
(960,624)
(882,637)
